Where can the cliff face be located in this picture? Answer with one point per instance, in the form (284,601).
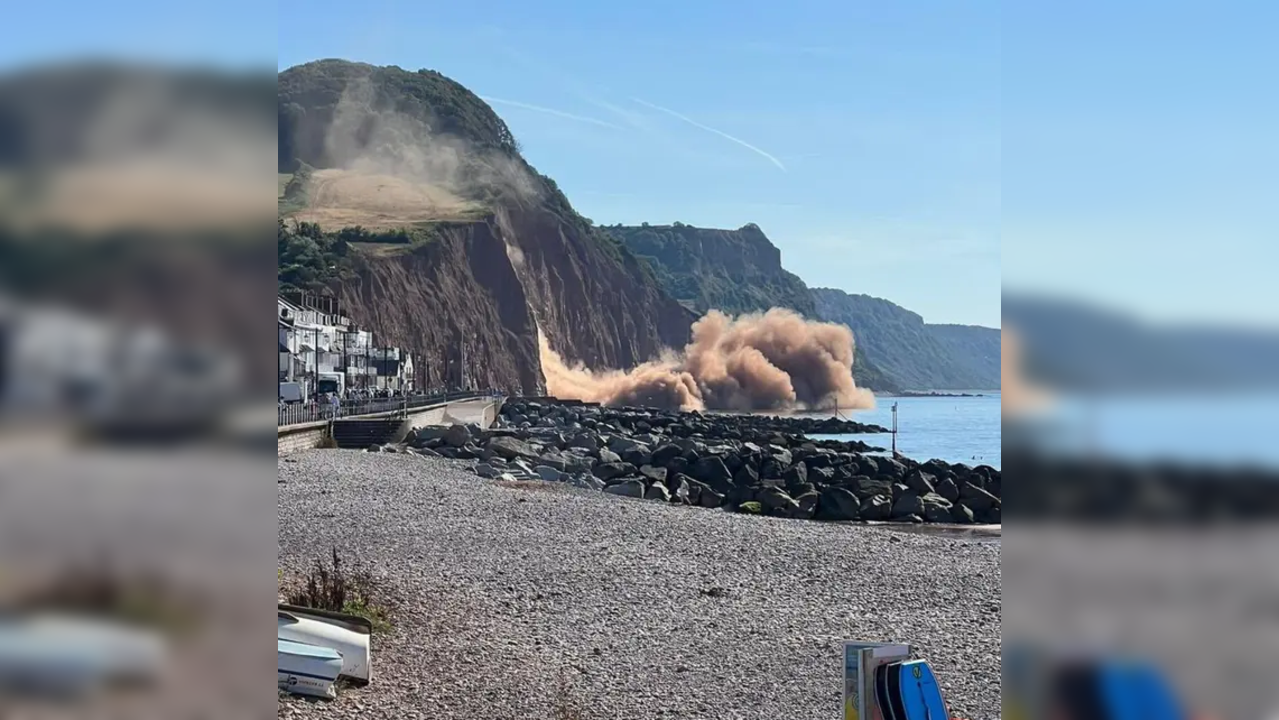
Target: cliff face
(455,303)
(911,353)
(464,251)
(735,271)
(471,302)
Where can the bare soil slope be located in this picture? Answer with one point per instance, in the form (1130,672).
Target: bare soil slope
(341,198)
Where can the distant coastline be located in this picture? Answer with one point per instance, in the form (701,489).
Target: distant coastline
(933,393)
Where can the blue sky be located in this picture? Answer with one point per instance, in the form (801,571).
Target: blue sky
(863,138)
(1143,156)
(1143,136)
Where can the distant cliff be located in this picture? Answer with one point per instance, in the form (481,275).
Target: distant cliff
(1076,346)
(463,250)
(911,353)
(737,271)
(731,270)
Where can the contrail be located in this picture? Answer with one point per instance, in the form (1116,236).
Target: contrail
(550,111)
(708,128)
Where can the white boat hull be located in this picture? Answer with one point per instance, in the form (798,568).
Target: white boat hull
(349,639)
(307,669)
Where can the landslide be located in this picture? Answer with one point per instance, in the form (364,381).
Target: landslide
(467,279)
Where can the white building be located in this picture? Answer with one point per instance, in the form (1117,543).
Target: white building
(314,342)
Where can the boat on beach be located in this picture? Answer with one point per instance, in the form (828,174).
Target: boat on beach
(307,669)
(347,635)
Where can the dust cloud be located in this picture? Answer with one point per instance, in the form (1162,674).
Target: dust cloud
(387,169)
(771,361)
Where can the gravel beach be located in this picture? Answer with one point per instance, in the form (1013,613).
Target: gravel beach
(532,600)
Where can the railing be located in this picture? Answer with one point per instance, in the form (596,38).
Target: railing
(310,411)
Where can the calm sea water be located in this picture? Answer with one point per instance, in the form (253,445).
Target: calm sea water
(954,429)
(1222,429)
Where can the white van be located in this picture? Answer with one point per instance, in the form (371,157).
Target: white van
(291,392)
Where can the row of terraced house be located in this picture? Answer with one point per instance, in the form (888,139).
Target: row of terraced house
(323,351)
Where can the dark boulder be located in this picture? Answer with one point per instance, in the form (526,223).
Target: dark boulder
(908,504)
(664,454)
(637,456)
(609,470)
(712,471)
(976,498)
(654,474)
(891,468)
(835,504)
(511,448)
(936,508)
(947,489)
(796,475)
(864,486)
(876,507)
(920,482)
(961,513)
(776,501)
(806,505)
(746,476)
(821,476)
(627,488)
(657,491)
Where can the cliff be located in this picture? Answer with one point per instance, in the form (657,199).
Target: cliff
(731,270)
(1075,345)
(463,250)
(737,271)
(911,353)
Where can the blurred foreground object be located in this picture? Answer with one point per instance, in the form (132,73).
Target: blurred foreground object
(1146,424)
(134,281)
(1041,685)
(135,218)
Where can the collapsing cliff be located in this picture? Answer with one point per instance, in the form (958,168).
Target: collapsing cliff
(432,231)
(464,250)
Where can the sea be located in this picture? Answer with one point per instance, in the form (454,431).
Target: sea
(954,429)
(1189,428)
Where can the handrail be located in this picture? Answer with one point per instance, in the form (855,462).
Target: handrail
(310,412)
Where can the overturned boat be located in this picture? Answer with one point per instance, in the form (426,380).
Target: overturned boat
(348,635)
(307,669)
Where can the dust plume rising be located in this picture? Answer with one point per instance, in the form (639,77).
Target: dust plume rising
(771,361)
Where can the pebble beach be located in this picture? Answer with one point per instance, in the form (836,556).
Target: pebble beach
(540,600)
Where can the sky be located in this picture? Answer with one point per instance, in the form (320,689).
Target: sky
(867,139)
(1143,157)
(863,138)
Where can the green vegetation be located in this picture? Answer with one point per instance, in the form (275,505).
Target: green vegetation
(751,508)
(737,271)
(331,586)
(384,110)
(911,353)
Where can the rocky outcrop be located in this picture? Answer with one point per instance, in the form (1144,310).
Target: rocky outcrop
(471,303)
(734,271)
(749,464)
